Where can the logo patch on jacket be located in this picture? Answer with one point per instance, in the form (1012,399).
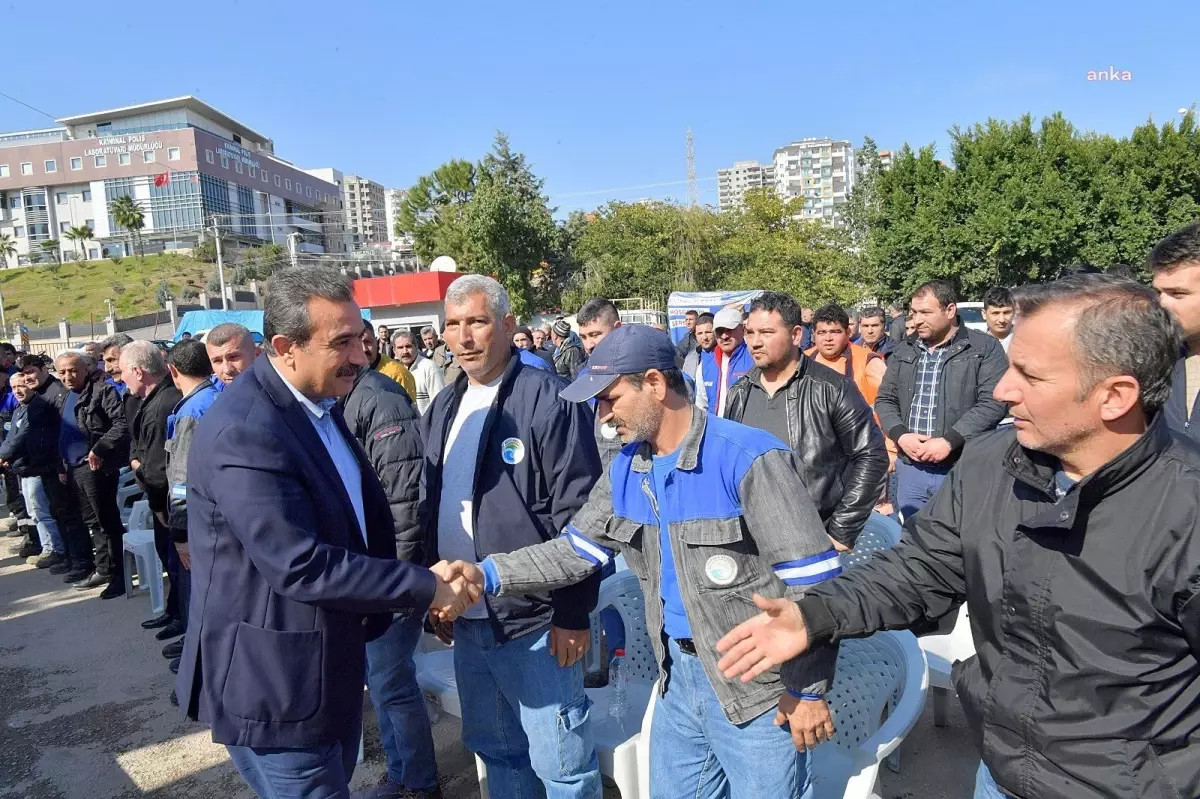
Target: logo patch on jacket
(388,431)
(721,569)
(512,451)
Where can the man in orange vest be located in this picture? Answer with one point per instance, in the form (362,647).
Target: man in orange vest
(832,348)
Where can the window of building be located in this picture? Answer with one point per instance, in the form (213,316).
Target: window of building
(308,190)
(19,231)
(224,162)
(27,168)
(51,166)
(101,162)
(148,156)
(172,153)
(287,183)
(63,227)
(264,176)
(14,202)
(87,195)
(124,159)
(237,167)
(208,156)
(3,170)
(252,172)
(90,223)
(61,198)
(76,163)
(93,254)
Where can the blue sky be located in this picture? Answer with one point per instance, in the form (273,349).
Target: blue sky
(600,95)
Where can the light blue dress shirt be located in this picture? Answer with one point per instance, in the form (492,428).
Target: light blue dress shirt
(340,451)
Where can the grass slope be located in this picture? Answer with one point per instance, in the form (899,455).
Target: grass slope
(39,296)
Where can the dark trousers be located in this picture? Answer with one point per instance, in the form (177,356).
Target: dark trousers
(64,507)
(159,499)
(181,585)
(97,492)
(16,500)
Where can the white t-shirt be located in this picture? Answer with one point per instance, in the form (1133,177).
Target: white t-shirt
(456,531)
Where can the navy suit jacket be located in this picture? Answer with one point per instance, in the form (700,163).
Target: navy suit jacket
(285,593)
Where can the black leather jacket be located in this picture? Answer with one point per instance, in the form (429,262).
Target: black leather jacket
(838,447)
(100,413)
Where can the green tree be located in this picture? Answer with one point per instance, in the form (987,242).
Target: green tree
(163,294)
(80,235)
(129,215)
(8,249)
(432,212)
(206,251)
(51,251)
(510,231)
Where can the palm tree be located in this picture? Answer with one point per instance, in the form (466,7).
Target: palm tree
(8,248)
(81,235)
(129,215)
(50,248)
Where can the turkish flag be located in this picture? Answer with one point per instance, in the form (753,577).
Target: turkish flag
(162,180)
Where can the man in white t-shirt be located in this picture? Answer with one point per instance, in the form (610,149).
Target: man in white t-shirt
(507,464)
(428,377)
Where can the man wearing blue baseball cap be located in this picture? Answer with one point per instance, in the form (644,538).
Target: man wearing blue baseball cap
(707,512)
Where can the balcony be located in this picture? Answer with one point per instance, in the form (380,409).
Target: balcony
(304,224)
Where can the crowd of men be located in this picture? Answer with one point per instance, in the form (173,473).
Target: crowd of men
(323,499)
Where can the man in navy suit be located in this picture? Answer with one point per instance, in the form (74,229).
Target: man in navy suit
(293,553)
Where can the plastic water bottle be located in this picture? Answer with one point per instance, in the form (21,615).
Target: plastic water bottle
(618,698)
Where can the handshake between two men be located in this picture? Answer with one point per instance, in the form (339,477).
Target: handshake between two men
(459,586)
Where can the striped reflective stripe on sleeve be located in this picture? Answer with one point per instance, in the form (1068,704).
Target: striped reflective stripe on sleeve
(587,548)
(807,571)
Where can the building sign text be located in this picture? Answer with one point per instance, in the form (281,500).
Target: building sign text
(124,144)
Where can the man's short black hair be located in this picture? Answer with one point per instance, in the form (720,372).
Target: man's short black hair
(831,314)
(1121,270)
(705,318)
(690,312)
(874,312)
(673,378)
(941,290)
(998,297)
(26,361)
(1081,269)
(777,302)
(597,309)
(9,348)
(1181,247)
(190,358)
(367,324)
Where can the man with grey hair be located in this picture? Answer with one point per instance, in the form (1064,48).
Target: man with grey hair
(293,552)
(231,350)
(146,377)
(111,354)
(94,443)
(1071,536)
(428,378)
(507,464)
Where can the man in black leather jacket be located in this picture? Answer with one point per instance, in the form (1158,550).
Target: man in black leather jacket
(819,413)
(385,421)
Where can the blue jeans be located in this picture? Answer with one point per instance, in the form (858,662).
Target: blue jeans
(404,729)
(37,504)
(985,786)
(916,483)
(698,753)
(526,717)
(323,771)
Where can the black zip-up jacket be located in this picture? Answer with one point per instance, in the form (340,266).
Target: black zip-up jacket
(569,359)
(148,439)
(1084,610)
(100,413)
(521,503)
(31,446)
(971,368)
(839,449)
(381,416)
(53,391)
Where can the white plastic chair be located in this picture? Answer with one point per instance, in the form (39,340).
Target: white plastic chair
(140,555)
(616,744)
(128,494)
(941,652)
(882,674)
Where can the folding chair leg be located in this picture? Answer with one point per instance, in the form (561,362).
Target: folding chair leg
(941,706)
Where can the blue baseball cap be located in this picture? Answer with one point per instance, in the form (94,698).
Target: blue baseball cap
(627,350)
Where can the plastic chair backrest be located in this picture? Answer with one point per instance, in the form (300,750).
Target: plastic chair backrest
(878,534)
(623,592)
(885,670)
(140,518)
